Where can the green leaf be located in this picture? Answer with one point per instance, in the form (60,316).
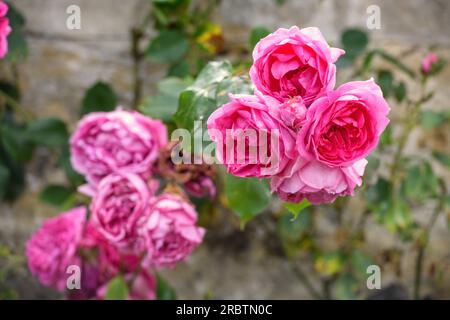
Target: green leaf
(64,161)
(16,19)
(180,69)
(159,107)
(213,73)
(165,103)
(16,142)
(296,208)
(400,91)
(193,106)
(168,47)
(16,181)
(117,289)
(199,100)
(386,137)
(293,229)
(247,197)
(163,290)
(11,90)
(443,158)
(173,86)
(234,85)
(99,97)
(397,217)
(379,192)
(4,180)
(56,195)
(17,45)
(257,34)
(386,82)
(345,286)
(354,41)
(50,132)
(420,182)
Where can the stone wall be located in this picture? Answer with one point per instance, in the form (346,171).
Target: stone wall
(62,63)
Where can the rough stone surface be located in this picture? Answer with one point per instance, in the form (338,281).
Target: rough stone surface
(232,264)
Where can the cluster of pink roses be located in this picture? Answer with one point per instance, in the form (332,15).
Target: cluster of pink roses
(5,29)
(130,227)
(318,136)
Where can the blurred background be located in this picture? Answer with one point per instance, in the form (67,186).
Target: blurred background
(257,262)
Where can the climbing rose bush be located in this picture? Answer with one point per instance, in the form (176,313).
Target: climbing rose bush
(5,29)
(333,129)
(131,227)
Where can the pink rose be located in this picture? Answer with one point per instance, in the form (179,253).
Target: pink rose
(142,288)
(106,142)
(121,200)
(317,182)
(294,62)
(170,232)
(54,247)
(5,29)
(428,62)
(344,125)
(252,139)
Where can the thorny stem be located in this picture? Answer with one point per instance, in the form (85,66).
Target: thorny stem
(424,240)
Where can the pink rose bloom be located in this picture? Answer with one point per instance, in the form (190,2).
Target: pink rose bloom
(5,29)
(143,287)
(344,126)
(170,232)
(252,139)
(294,62)
(317,182)
(105,142)
(428,62)
(54,247)
(121,199)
